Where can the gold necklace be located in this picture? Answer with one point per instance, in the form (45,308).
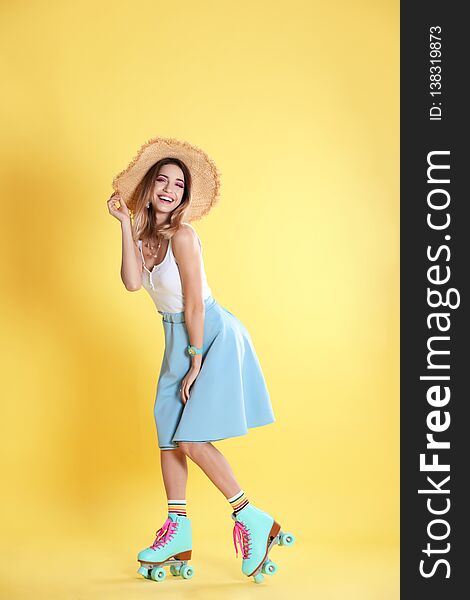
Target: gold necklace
(152,248)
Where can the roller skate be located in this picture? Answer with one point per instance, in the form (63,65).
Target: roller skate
(257,532)
(171,547)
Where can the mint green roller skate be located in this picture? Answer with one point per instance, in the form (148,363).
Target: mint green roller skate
(257,532)
(172,547)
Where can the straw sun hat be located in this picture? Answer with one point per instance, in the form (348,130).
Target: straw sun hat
(205,189)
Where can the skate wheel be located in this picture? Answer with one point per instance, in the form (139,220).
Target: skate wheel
(269,568)
(174,570)
(187,572)
(144,572)
(158,574)
(286,539)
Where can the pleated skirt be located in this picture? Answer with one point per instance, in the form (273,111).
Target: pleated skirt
(229,395)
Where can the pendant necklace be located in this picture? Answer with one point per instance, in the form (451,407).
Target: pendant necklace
(151,248)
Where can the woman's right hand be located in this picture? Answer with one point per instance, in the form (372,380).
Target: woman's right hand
(121,213)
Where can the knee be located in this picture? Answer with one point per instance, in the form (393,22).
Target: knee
(192,449)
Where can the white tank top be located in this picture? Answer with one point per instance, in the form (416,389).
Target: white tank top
(163,282)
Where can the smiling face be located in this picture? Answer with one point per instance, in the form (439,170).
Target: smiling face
(169,188)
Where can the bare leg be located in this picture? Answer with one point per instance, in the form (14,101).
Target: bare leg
(214,464)
(175,473)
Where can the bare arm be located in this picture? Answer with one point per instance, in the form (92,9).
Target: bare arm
(131,264)
(187,253)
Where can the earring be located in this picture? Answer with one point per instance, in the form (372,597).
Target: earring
(148,205)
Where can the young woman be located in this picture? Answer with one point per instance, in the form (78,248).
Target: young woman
(210,386)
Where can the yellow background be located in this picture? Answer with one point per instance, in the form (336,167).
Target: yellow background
(297,102)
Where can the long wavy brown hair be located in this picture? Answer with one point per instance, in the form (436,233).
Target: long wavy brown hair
(145,221)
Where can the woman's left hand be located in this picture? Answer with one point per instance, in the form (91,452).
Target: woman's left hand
(188,381)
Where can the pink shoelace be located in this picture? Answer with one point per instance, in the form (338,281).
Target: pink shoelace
(164,534)
(242,536)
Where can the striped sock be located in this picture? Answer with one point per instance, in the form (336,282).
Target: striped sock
(177,507)
(239,501)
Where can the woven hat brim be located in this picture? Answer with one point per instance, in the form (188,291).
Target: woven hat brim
(205,176)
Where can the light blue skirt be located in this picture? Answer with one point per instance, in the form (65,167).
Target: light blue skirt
(229,395)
